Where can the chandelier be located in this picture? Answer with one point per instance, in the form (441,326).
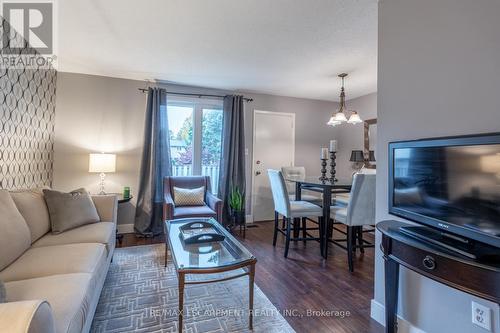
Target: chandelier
(339,117)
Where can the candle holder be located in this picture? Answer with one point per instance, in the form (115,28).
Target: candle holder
(323,170)
(333,164)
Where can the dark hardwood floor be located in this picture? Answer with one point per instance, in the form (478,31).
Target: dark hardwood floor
(305,281)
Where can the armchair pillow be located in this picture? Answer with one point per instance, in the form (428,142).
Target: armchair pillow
(70,210)
(189,197)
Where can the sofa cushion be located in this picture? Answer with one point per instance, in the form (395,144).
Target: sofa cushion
(69,296)
(33,208)
(15,236)
(189,196)
(193,211)
(57,259)
(101,232)
(70,210)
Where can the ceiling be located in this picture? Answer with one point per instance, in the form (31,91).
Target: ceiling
(280,47)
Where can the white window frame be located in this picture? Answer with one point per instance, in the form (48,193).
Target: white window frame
(198,105)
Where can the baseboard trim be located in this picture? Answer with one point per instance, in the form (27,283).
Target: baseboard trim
(249,218)
(125,228)
(377,312)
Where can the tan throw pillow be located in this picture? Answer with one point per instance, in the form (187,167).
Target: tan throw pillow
(33,208)
(189,196)
(3,293)
(70,210)
(15,237)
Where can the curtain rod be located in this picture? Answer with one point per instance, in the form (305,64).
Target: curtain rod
(198,95)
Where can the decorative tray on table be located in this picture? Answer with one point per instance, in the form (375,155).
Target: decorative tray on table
(200,232)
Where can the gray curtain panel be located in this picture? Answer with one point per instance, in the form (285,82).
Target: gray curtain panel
(155,165)
(232,170)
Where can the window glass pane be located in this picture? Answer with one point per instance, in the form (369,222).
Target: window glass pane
(180,123)
(211,145)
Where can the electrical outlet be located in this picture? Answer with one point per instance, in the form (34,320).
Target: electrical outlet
(481,316)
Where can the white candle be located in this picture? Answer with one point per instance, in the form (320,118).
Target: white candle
(333,145)
(324,153)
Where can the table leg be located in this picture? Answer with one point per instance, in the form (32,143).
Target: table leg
(251,276)
(298,197)
(181,278)
(327,201)
(298,191)
(391,268)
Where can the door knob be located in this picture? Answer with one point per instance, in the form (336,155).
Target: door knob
(257,173)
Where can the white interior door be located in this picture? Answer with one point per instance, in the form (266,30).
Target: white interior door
(273,148)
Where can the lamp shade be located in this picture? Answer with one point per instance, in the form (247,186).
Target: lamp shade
(354,118)
(357,156)
(371,157)
(340,117)
(102,162)
(333,122)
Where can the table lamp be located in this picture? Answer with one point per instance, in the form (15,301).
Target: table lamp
(102,163)
(358,157)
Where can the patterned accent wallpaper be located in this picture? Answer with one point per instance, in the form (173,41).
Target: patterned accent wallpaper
(27,115)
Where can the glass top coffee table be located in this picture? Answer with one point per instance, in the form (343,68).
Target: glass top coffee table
(208,258)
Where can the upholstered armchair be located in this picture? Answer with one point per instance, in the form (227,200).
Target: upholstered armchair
(211,208)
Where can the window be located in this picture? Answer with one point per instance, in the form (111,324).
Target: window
(195,128)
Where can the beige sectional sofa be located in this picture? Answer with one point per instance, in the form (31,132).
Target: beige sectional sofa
(52,281)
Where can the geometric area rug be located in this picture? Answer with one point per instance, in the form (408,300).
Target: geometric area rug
(141,295)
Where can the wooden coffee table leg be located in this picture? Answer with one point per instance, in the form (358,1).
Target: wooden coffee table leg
(251,275)
(181,299)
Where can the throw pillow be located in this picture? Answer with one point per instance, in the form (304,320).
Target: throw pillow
(3,293)
(189,196)
(70,210)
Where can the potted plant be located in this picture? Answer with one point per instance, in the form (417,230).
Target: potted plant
(237,205)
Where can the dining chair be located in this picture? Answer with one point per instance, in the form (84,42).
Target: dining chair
(343,198)
(292,211)
(359,212)
(297,172)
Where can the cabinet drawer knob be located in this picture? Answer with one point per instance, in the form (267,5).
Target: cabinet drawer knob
(429,262)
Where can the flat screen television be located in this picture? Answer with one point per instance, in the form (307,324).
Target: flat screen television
(451,184)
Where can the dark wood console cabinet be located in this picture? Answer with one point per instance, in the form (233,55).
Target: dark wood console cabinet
(439,264)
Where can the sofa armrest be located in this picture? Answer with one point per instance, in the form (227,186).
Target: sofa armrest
(168,207)
(107,207)
(26,316)
(215,204)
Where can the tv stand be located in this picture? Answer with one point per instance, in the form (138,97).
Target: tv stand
(445,240)
(402,245)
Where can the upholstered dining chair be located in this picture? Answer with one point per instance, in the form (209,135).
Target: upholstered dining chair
(359,212)
(210,207)
(297,172)
(292,211)
(343,198)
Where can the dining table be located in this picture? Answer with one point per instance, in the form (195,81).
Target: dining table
(327,188)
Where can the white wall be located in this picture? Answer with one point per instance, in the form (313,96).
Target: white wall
(96,113)
(439,75)
(351,137)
